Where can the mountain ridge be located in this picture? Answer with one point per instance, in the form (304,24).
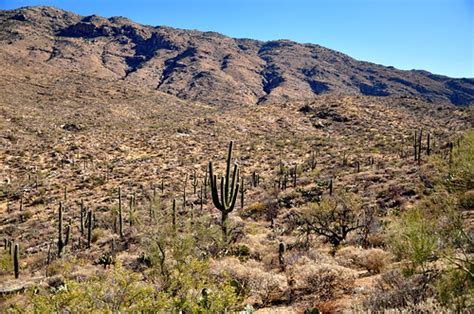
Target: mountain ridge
(207,66)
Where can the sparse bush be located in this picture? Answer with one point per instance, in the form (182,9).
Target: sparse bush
(375,260)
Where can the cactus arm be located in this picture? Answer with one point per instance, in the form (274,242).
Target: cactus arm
(234,199)
(227,175)
(223,202)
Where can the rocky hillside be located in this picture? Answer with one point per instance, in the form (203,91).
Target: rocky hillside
(205,66)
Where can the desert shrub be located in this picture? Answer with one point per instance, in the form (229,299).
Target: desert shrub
(24,216)
(461,171)
(348,256)
(112,291)
(251,280)
(394,290)
(241,251)
(254,211)
(322,281)
(97,234)
(179,265)
(374,260)
(182,282)
(430,305)
(456,289)
(466,201)
(413,238)
(6,263)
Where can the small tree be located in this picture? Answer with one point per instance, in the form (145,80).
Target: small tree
(335,217)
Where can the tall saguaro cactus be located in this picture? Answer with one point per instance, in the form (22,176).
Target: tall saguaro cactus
(229,189)
(62,240)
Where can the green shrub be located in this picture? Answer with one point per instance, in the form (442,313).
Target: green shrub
(412,238)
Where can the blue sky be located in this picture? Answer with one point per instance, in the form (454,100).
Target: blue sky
(434,35)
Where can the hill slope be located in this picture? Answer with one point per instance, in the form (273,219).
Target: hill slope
(206,66)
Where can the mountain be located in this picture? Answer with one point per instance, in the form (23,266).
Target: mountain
(205,66)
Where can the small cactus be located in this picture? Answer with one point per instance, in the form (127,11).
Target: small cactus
(281,257)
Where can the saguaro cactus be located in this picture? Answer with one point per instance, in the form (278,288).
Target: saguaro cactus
(229,190)
(201,198)
(330,186)
(312,160)
(195,182)
(428,144)
(16,261)
(83,211)
(294,175)
(242,192)
(61,242)
(173,217)
(120,213)
(89,228)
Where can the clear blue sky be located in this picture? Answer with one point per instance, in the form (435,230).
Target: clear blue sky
(434,35)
